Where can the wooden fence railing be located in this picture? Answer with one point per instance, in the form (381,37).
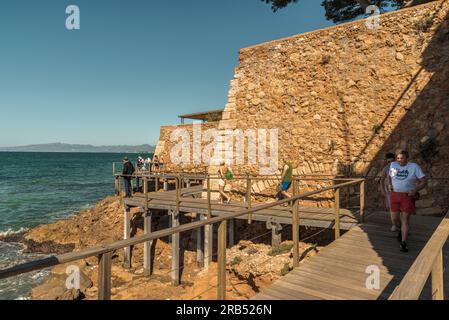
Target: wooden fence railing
(428,263)
(104,252)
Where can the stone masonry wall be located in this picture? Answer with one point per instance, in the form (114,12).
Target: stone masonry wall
(342,97)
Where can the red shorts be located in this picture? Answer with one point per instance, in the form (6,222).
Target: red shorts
(402,202)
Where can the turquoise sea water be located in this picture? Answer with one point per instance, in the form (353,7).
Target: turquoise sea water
(38,188)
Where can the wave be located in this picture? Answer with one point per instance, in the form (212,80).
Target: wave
(11,232)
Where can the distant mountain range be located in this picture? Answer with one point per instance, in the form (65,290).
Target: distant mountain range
(64,147)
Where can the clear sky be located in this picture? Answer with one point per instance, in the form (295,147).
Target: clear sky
(133,66)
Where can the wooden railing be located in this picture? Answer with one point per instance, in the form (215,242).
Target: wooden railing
(428,263)
(104,252)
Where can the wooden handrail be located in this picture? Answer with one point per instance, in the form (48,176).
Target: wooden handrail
(429,261)
(104,252)
(98,250)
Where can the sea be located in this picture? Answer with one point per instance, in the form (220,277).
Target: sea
(40,188)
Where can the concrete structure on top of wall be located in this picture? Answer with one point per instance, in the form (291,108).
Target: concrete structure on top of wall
(342,97)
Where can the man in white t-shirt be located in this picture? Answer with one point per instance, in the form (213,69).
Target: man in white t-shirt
(405,180)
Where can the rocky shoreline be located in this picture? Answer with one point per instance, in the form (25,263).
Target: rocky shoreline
(250,265)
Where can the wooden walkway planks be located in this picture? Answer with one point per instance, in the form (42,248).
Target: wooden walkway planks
(308,216)
(338,271)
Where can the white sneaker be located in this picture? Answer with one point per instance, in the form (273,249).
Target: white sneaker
(394,229)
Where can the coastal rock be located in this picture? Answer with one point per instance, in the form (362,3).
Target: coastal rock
(244,279)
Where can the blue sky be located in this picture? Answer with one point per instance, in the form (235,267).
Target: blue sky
(132,67)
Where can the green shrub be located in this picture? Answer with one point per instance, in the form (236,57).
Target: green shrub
(424,24)
(280,249)
(285,269)
(236,260)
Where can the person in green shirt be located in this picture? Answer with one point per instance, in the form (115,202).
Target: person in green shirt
(286,179)
(225,174)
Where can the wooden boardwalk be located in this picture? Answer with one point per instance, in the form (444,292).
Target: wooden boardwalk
(338,271)
(308,216)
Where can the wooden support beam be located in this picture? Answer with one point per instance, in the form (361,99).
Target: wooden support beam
(209,205)
(295,226)
(337,212)
(221,279)
(208,229)
(147,245)
(127,235)
(248,198)
(208,245)
(156,184)
(437,278)
(231,240)
(104,276)
(175,251)
(120,188)
(116,186)
(362,201)
(276,236)
(199,243)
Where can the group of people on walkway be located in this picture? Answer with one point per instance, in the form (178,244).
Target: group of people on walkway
(150,165)
(225,175)
(401,180)
(143,165)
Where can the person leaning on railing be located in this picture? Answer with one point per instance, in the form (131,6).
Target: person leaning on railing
(128,171)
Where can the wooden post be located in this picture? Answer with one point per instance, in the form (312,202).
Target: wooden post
(175,251)
(208,230)
(199,243)
(147,230)
(165,185)
(120,188)
(248,198)
(362,201)
(295,226)
(104,276)
(437,278)
(337,212)
(147,245)
(209,206)
(178,195)
(116,186)
(156,184)
(127,235)
(221,279)
(348,196)
(231,239)
(276,235)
